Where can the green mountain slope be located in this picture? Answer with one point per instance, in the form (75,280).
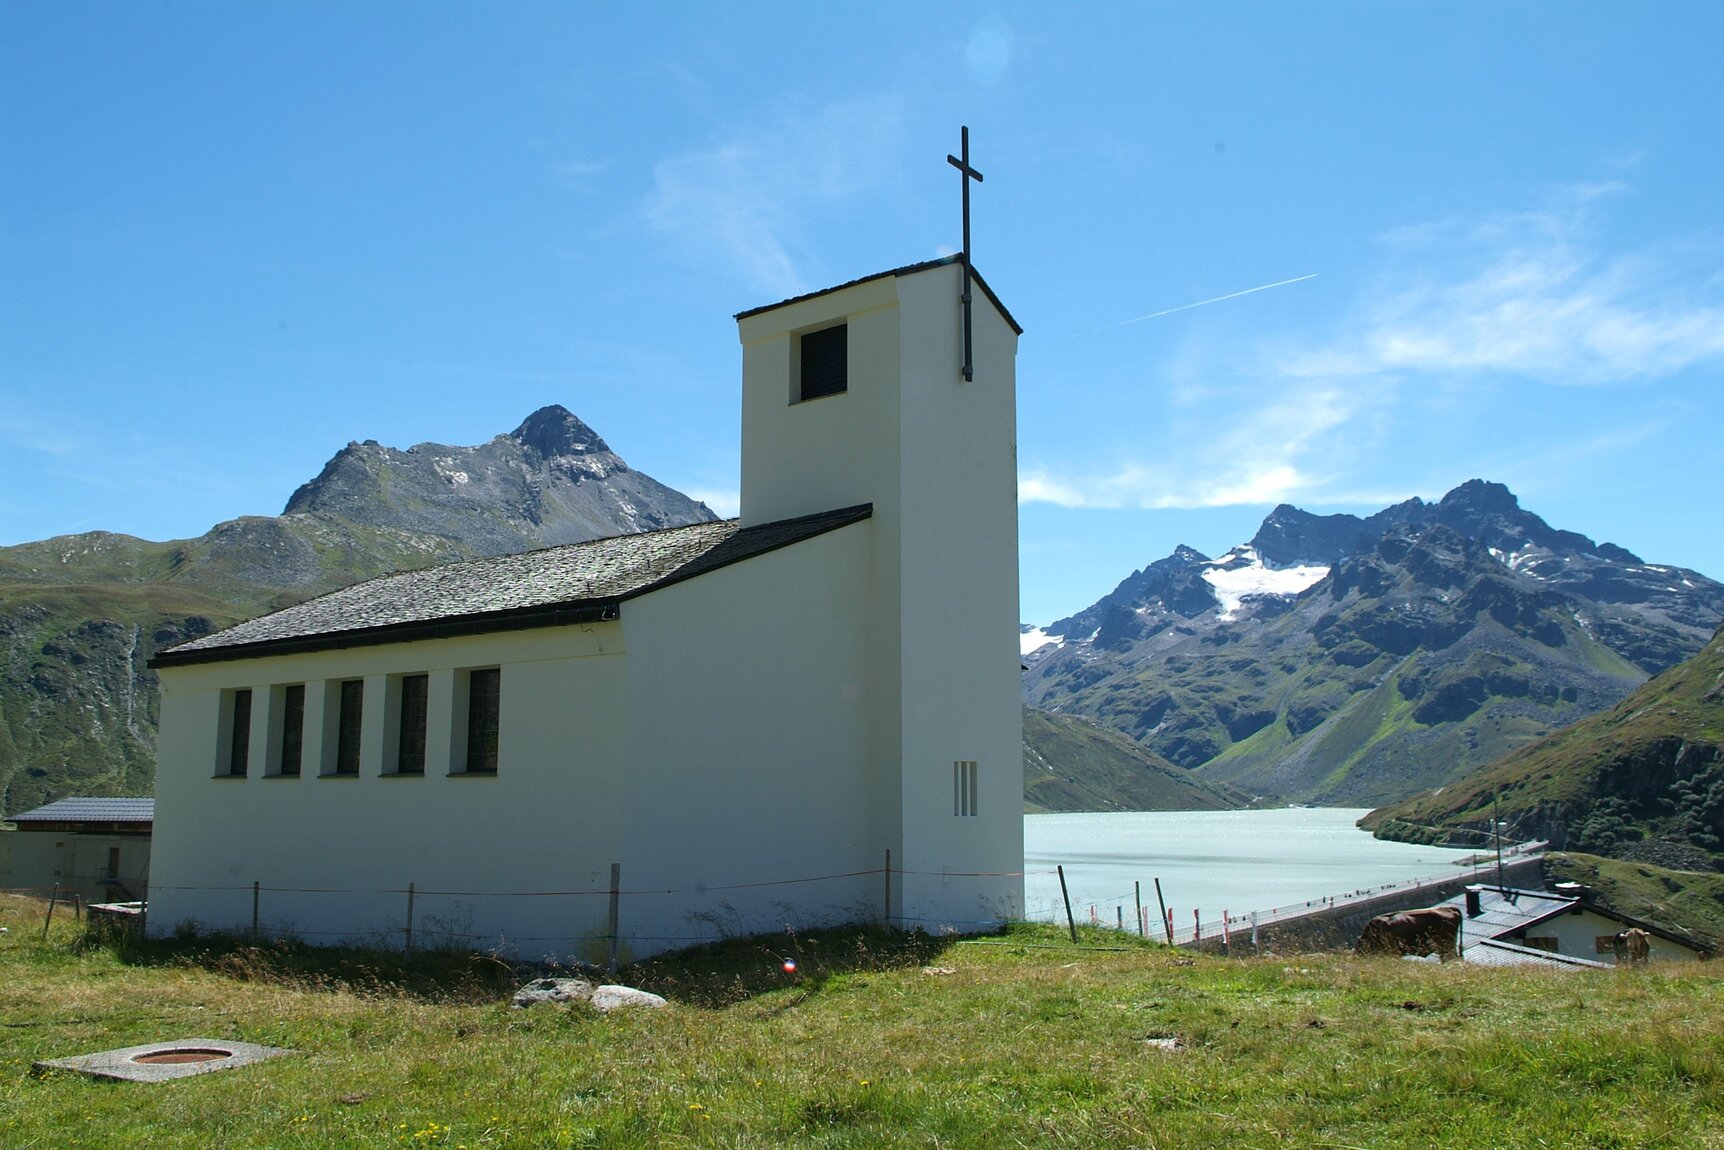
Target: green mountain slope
(1071,764)
(1644,780)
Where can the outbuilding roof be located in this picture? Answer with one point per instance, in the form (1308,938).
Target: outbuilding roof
(574,583)
(1504,910)
(90,810)
(1499,952)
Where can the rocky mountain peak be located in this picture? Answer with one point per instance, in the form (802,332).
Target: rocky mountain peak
(555,431)
(1482,497)
(1290,537)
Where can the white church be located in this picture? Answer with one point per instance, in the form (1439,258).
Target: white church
(805,716)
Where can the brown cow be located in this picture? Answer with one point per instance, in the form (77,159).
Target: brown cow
(1432,930)
(1637,943)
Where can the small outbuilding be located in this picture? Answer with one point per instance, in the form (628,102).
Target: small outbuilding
(1508,926)
(96,848)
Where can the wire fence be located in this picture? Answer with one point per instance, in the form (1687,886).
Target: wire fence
(1129,912)
(569,917)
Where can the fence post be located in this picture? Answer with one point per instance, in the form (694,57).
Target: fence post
(1137,901)
(407,947)
(254,893)
(612,919)
(1166,915)
(888,900)
(52,900)
(1065,894)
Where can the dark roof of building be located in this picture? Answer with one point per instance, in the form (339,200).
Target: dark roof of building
(574,583)
(1505,910)
(1497,952)
(907,269)
(91,811)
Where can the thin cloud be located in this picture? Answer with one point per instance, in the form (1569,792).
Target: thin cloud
(1266,451)
(746,198)
(1204,302)
(34,437)
(1527,294)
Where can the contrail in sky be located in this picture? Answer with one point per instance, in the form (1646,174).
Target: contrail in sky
(1206,302)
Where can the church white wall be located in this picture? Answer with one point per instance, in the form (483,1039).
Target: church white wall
(749,749)
(545,822)
(959,608)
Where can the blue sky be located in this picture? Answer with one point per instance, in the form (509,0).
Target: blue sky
(235,236)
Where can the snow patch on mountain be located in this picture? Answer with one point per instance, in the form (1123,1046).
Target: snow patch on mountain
(1032,639)
(1242,573)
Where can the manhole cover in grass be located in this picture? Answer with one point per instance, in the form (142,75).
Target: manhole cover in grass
(181,1055)
(163,1061)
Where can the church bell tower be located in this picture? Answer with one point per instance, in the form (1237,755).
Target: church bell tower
(858,395)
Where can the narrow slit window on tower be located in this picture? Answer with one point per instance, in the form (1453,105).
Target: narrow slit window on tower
(964,788)
(824,363)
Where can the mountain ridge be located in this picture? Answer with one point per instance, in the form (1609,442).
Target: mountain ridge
(1357,660)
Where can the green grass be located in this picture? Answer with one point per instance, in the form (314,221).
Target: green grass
(1016,1040)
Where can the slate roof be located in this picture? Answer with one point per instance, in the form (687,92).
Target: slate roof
(577,582)
(906,270)
(1497,952)
(91,811)
(1506,910)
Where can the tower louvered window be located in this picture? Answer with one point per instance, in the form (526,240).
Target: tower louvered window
(825,362)
(964,788)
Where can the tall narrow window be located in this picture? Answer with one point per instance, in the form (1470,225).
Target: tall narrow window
(292,728)
(964,787)
(484,707)
(825,362)
(410,750)
(239,741)
(351,719)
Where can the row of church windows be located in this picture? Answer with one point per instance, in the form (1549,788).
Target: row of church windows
(474,724)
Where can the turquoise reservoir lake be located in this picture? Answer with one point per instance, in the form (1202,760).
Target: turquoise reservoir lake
(1212,861)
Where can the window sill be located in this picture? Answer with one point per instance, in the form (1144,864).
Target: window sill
(472,774)
(402,775)
(279,775)
(343,775)
(229,775)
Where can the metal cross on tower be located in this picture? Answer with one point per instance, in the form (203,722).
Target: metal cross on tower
(965,175)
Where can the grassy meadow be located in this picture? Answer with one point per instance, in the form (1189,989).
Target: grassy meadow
(1021,1039)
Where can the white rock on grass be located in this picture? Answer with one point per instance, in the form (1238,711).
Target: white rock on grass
(552,990)
(608,998)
